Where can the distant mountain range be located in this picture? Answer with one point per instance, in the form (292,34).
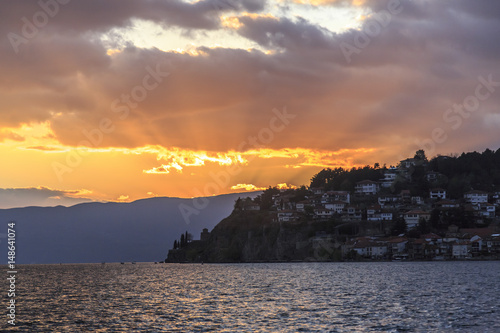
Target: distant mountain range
(142,230)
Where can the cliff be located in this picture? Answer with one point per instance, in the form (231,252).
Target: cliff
(247,236)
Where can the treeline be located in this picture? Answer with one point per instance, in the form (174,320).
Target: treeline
(456,174)
(478,171)
(183,241)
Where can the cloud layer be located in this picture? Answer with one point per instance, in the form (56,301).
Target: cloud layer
(388,88)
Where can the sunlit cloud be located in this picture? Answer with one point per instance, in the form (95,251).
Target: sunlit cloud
(178,159)
(123,198)
(247,187)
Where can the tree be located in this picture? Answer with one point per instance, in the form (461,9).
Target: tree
(423,226)
(176,245)
(435,218)
(237,203)
(266,198)
(420,155)
(183,241)
(399,227)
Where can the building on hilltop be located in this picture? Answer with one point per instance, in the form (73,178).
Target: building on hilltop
(205,235)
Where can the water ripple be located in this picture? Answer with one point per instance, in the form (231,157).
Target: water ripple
(298,297)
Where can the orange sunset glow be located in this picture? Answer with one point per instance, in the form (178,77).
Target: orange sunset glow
(200,98)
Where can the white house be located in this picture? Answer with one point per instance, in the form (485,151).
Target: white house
(460,249)
(485,209)
(388,200)
(475,197)
(337,206)
(412,218)
(366,247)
(408,163)
(286,216)
(323,212)
(437,193)
(389,178)
(367,187)
(386,215)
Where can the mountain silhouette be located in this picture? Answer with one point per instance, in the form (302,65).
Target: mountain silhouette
(142,230)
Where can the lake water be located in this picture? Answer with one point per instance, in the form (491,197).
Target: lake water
(288,297)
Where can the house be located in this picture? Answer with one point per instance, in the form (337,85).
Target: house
(485,210)
(376,213)
(373,213)
(388,200)
(432,176)
(437,193)
(460,249)
(323,213)
(330,196)
(343,196)
(352,213)
(405,195)
(412,217)
(386,215)
(408,163)
(397,245)
(286,216)
(369,248)
(477,245)
(417,201)
(475,197)
(367,187)
(493,243)
(446,204)
(389,178)
(420,249)
(496,198)
(337,206)
(301,205)
(317,190)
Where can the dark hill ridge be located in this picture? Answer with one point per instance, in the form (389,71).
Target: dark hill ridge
(142,230)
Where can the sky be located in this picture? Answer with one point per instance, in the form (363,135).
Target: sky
(120,100)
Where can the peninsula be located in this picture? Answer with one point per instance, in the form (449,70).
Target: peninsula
(445,208)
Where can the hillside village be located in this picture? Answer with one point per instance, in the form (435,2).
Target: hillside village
(411,211)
